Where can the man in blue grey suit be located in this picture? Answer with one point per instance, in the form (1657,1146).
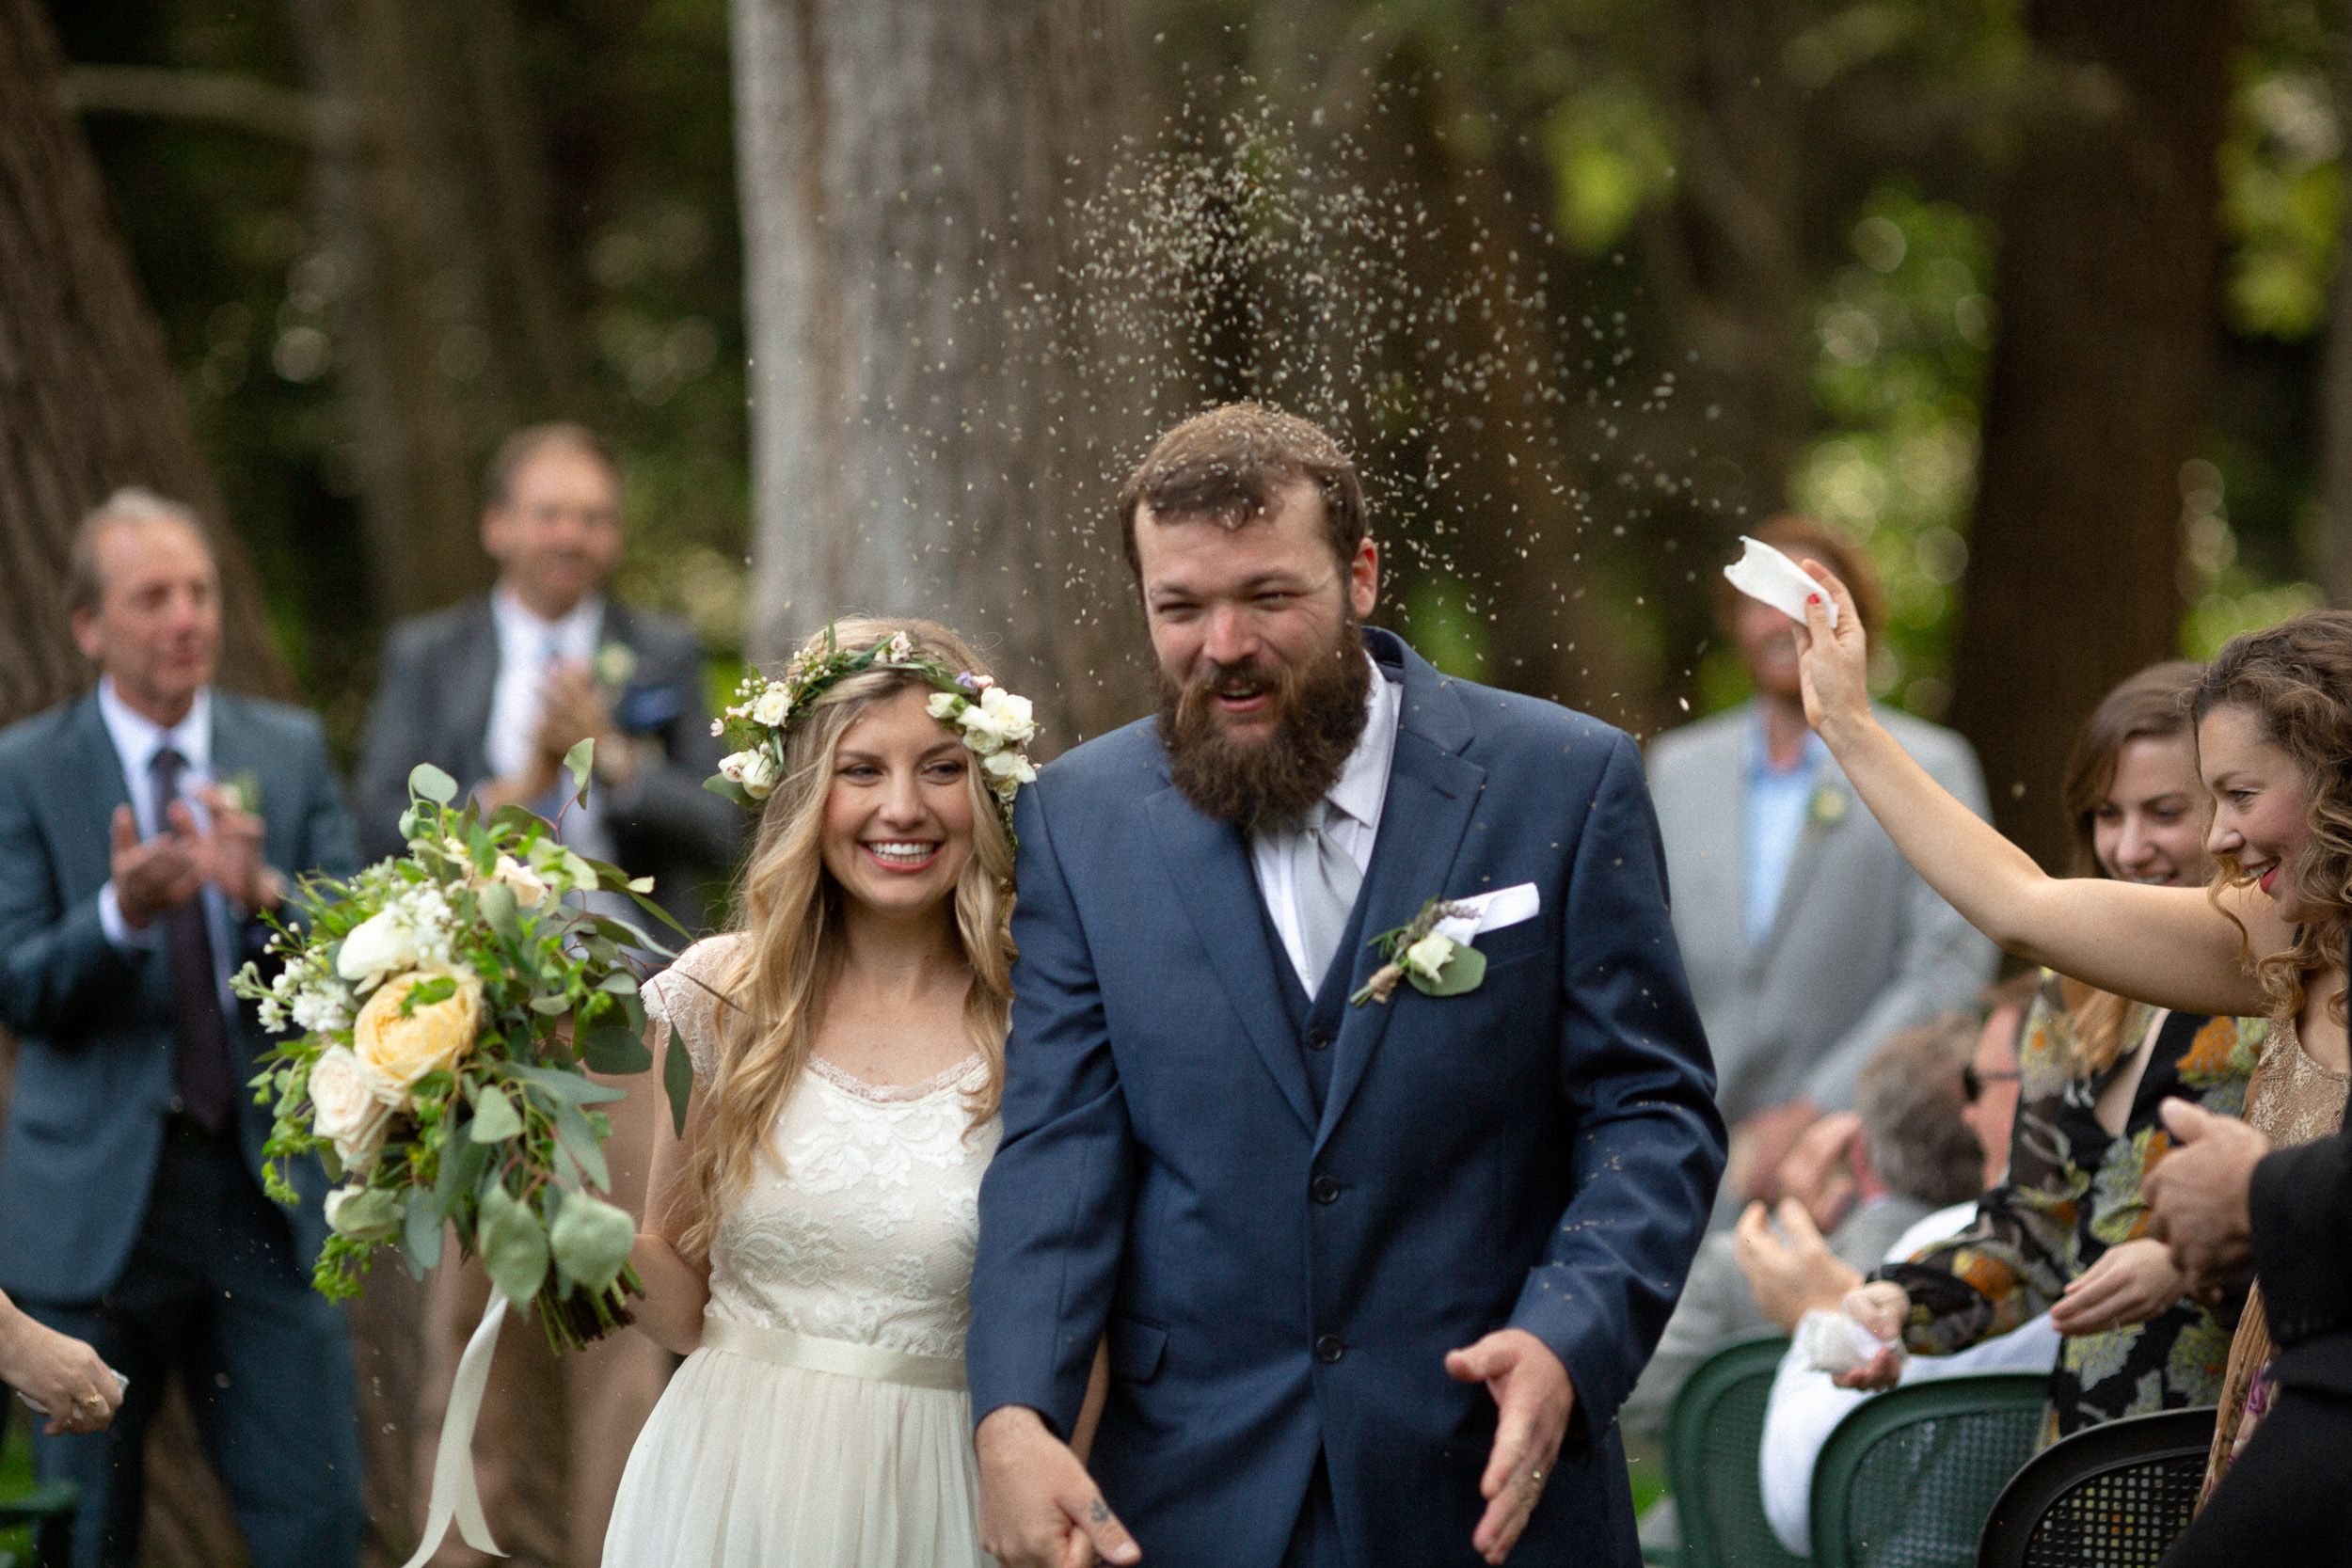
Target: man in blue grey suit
(143,829)
(1311,1223)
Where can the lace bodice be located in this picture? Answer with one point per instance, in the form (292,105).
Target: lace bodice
(2293,1100)
(863,1226)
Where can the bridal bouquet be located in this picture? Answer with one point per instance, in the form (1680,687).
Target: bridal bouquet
(448,1002)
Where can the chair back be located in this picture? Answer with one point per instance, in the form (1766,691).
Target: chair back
(1713,1438)
(1908,1478)
(2112,1496)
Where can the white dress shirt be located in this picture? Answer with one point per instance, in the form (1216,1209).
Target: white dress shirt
(137,739)
(526,646)
(1356,802)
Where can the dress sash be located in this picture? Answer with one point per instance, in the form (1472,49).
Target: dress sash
(844,1357)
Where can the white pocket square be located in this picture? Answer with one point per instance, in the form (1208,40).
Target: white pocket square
(1491,911)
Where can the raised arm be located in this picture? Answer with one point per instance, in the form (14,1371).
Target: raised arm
(2166,945)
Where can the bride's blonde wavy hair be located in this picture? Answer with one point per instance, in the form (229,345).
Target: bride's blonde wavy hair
(2295,679)
(788,910)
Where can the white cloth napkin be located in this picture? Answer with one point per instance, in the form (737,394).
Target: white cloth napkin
(1763,573)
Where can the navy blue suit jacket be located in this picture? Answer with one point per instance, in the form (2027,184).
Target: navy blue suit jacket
(1539,1152)
(93,1021)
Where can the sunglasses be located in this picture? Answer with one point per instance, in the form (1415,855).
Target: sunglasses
(1972,1083)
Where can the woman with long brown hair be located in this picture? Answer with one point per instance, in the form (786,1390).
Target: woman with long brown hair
(811,1232)
(2067,1231)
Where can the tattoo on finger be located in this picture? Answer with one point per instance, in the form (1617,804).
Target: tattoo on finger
(1096,1511)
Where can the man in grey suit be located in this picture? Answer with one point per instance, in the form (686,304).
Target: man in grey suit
(494,692)
(1807,938)
(144,829)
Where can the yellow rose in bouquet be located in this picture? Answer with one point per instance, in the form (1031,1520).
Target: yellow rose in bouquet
(430,1037)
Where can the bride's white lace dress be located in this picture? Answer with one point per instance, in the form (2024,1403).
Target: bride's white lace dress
(853,1249)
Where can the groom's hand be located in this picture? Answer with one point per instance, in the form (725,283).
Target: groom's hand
(1038,1508)
(1533,1397)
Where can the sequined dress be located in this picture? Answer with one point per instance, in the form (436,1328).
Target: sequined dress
(852,1250)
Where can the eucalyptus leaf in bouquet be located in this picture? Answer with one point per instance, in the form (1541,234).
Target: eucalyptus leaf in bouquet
(446,1007)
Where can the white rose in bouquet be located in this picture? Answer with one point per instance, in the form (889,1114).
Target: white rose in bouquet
(381,945)
(351,1105)
(529,887)
(363,1214)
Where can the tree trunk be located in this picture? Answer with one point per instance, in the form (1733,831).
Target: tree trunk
(927,438)
(452,328)
(90,402)
(2105,286)
(2335,395)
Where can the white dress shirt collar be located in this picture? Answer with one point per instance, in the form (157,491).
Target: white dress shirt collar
(137,738)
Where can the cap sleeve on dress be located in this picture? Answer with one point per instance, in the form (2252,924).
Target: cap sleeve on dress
(683,1000)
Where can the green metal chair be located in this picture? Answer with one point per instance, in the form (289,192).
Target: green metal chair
(48,1508)
(2112,1496)
(1713,1440)
(1908,1478)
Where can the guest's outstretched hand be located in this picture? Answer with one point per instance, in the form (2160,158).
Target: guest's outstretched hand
(1833,667)
(56,1371)
(1881,1307)
(1533,1397)
(1793,1277)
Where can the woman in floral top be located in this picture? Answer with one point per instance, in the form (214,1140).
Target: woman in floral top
(2068,1232)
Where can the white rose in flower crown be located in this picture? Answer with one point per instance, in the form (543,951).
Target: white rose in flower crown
(1426,957)
(774,705)
(1010,713)
(350,1105)
(384,944)
(1008,767)
(755,769)
(941,705)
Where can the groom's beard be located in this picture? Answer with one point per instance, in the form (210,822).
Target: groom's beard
(1319,714)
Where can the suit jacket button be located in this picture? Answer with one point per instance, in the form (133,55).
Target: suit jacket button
(1328,1349)
(1324,1190)
(1318,1040)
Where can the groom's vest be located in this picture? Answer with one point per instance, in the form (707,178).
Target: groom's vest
(1315,1023)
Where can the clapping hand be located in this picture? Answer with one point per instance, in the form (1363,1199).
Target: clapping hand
(157,874)
(230,856)
(2130,1284)
(1790,1278)
(1533,1397)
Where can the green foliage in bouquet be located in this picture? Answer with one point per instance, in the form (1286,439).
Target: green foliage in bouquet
(450,1001)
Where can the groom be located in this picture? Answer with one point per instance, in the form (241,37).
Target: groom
(1312,1229)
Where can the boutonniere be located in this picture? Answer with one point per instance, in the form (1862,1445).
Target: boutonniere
(1829,806)
(244,791)
(1434,963)
(616,663)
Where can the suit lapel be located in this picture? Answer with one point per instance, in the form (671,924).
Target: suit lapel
(1209,863)
(1433,794)
(91,786)
(473,684)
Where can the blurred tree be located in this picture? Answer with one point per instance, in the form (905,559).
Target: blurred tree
(927,436)
(91,400)
(2106,282)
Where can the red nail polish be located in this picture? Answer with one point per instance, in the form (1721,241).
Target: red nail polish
(1812,598)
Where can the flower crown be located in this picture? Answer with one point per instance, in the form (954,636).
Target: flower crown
(994,724)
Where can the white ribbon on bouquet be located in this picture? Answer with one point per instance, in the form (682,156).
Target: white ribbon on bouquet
(454,1495)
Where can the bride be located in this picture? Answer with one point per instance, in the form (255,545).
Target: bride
(812,1232)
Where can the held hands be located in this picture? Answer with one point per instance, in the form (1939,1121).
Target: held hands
(1533,1397)
(2130,1284)
(2198,1192)
(1833,667)
(1880,1306)
(1038,1508)
(1792,1277)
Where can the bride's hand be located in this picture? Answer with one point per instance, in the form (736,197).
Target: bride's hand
(1833,667)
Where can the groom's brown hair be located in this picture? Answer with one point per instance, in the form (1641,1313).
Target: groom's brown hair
(1225,466)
